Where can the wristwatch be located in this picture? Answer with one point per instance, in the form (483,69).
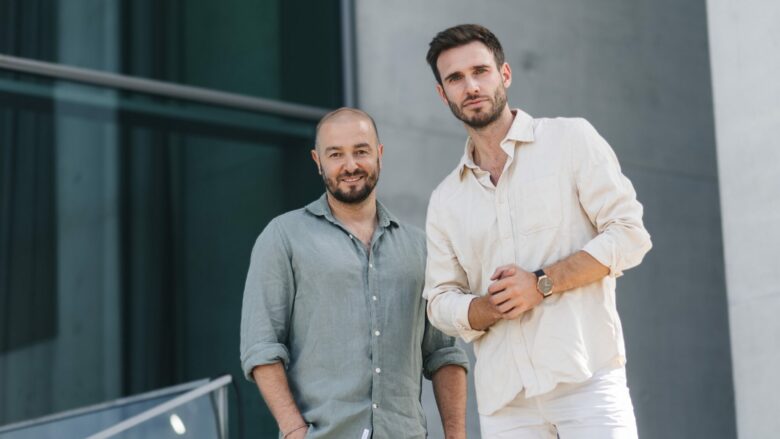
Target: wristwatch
(543,283)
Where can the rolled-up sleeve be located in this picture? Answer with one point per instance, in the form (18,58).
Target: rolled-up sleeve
(446,284)
(267,304)
(439,350)
(609,200)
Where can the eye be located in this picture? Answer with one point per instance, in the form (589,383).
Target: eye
(334,155)
(454,78)
(362,152)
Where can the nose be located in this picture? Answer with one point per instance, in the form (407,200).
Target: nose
(350,165)
(472,85)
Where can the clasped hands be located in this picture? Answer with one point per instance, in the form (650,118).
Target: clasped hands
(513,291)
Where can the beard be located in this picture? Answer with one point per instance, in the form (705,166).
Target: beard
(353,195)
(482,118)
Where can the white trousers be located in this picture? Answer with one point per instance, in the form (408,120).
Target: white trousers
(599,408)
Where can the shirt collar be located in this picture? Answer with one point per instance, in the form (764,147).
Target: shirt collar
(521,130)
(321,208)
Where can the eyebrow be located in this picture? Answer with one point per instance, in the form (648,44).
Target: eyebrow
(357,145)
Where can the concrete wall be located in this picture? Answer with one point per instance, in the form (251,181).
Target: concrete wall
(639,71)
(745,52)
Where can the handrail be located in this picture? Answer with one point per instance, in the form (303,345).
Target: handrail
(161,88)
(102,406)
(162,408)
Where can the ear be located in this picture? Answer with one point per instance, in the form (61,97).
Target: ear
(506,75)
(380,149)
(442,94)
(316,158)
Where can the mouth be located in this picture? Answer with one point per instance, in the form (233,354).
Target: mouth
(352,179)
(473,102)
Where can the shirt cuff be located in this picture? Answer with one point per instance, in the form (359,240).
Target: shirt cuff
(444,357)
(605,254)
(461,319)
(262,354)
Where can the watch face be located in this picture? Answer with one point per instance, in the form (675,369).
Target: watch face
(545,285)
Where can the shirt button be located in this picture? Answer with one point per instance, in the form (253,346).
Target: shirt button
(370,265)
(351,237)
(378,370)
(375,405)
(374,298)
(377,333)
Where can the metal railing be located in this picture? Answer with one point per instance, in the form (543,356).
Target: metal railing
(139,415)
(218,385)
(161,88)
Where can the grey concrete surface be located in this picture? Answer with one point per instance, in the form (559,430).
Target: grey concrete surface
(639,71)
(745,53)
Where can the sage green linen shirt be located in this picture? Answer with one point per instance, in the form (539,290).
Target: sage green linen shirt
(349,325)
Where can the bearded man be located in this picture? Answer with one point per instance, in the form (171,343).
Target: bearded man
(526,238)
(333,326)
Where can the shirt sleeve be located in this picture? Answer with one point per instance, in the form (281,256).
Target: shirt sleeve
(439,350)
(268,300)
(609,200)
(446,284)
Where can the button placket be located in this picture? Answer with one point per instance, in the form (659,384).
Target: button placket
(372,276)
(505,231)
(502,213)
(522,354)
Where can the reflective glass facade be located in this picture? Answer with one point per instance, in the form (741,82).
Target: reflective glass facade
(127,219)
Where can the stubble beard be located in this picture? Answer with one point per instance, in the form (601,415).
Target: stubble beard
(353,196)
(482,118)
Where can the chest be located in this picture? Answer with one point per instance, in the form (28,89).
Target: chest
(336,268)
(518,221)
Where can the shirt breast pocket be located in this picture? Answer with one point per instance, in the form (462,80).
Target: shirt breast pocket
(537,205)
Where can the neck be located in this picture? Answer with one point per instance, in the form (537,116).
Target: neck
(487,140)
(363,212)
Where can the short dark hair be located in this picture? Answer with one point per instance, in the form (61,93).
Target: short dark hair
(461,35)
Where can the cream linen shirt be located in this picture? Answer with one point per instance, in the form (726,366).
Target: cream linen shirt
(561,191)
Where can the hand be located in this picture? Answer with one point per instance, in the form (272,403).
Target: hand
(513,291)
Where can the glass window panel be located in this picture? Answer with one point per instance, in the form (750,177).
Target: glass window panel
(264,48)
(155,206)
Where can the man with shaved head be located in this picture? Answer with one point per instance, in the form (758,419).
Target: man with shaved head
(333,327)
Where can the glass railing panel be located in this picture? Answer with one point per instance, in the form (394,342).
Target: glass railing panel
(196,419)
(81,423)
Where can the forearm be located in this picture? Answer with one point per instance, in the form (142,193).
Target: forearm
(482,313)
(575,271)
(271,379)
(449,388)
